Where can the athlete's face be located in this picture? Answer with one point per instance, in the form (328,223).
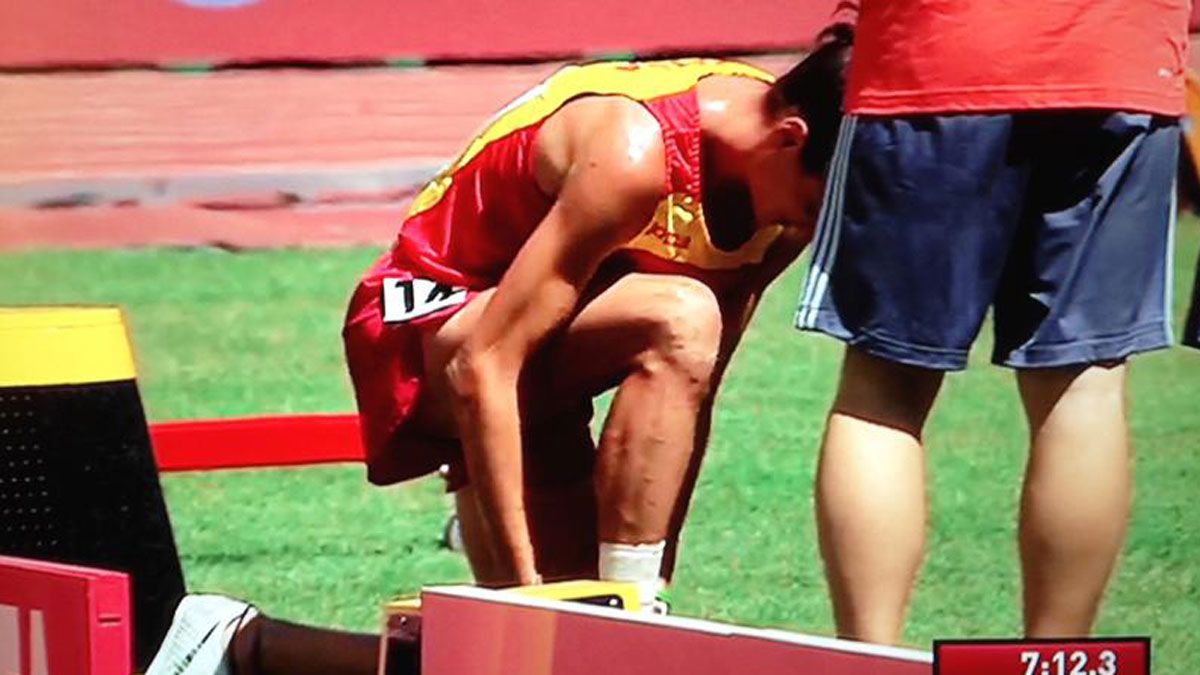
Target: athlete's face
(784,192)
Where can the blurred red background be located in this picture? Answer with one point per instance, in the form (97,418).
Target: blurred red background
(41,33)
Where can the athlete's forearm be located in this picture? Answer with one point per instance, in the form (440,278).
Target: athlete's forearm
(489,426)
(608,194)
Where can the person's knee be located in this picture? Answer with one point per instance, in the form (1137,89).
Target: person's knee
(1098,378)
(1088,388)
(684,323)
(885,392)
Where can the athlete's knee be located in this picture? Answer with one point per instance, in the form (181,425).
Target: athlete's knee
(684,319)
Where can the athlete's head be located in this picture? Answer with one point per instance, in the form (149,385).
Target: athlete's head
(805,106)
(812,91)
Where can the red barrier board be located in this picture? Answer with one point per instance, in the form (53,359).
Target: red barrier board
(37,33)
(482,632)
(63,620)
(242,443)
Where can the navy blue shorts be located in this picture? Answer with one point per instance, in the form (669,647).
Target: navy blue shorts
(1060,221)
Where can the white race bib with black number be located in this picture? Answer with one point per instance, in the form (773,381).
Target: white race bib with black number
(408,299)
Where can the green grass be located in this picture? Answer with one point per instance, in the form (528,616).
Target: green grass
(223,334)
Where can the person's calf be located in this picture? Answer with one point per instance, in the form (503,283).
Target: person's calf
(647,441)
(215,634)
(1071,530)
(266,646)
(870,488)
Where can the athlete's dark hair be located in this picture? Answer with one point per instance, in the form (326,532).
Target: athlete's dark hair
(813,89)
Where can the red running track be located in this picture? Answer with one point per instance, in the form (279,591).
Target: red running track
(234,158)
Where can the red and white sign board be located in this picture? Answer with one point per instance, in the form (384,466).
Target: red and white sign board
(63,620)
(472,631)
(38,33)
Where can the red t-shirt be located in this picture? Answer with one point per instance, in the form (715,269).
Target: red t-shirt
(938,56)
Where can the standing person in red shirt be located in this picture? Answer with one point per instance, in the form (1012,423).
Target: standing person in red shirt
(1019,156)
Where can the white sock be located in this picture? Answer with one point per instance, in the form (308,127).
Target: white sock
(638,564)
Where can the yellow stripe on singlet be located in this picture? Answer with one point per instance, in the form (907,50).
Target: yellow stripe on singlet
(640,81)
(63,345)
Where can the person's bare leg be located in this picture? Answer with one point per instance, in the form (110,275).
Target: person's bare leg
(561,504)
(683,501)
(266,646)
(562,521)
(1076,500)
(655,336)
(477,540)
(554,429)
(870,493)
(649,454)
(648,441)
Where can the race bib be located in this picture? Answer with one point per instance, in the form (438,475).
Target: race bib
(408,299)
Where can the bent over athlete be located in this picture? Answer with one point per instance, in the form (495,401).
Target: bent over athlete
(614,226)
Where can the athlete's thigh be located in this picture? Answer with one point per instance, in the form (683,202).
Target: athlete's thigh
(618,321)
(606,339)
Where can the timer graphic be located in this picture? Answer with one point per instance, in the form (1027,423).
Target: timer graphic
(1098,656)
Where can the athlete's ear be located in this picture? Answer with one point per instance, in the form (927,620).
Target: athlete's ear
(794,131)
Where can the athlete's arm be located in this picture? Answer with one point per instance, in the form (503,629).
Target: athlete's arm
(612,182)
(736,312)
(738,308)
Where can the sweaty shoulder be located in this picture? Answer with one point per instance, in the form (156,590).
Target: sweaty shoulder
(602,138)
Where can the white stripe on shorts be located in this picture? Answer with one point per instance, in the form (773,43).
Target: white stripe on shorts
(1169,267)
(829,225)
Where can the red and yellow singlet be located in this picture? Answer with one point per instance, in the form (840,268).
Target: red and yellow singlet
(468,223)
(466,227)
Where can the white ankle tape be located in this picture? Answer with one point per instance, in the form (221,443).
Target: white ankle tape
(633,563)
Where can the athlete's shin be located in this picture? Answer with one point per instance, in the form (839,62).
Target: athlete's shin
(649,440)
(560,503)
(487,413)
(645,451)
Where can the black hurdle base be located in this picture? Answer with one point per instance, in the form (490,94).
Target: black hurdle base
(78,485)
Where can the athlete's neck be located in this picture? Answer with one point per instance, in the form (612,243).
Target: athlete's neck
(733,121)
